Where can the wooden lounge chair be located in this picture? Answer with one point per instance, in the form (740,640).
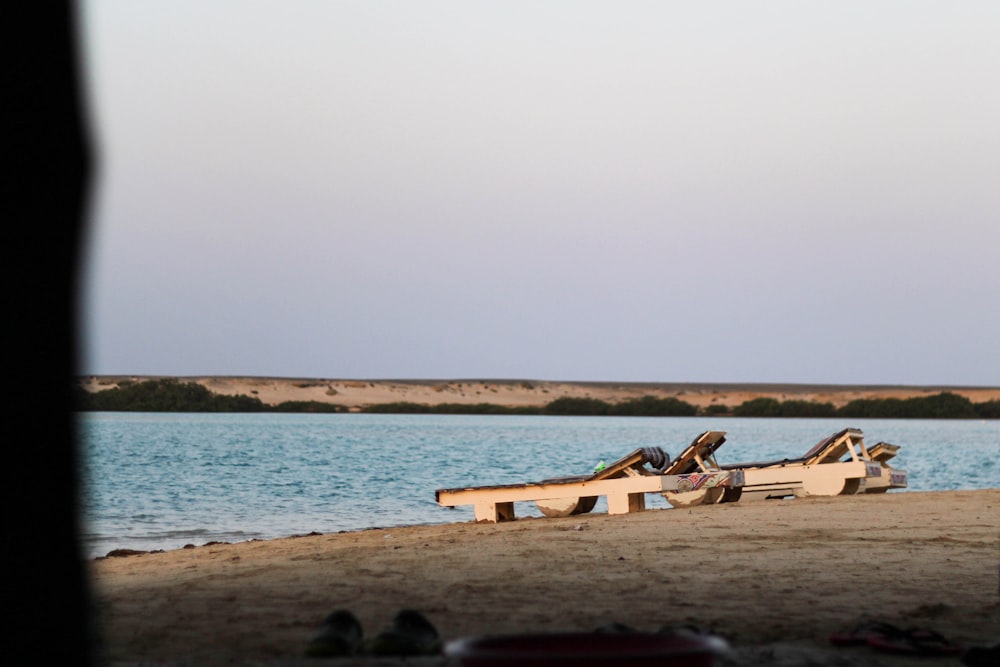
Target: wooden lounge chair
(700,457)
(633,465)
(624,483)
(891,478)
(837,465)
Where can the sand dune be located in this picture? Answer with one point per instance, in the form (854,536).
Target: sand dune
(356,394)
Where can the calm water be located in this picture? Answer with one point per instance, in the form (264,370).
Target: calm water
(160,481)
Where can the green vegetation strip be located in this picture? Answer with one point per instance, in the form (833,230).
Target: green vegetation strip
(169,395)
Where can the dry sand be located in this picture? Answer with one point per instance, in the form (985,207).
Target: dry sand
(356,394)
(774,578)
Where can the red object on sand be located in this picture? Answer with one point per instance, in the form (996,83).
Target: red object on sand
(593,649)
(865,631)
(916,641)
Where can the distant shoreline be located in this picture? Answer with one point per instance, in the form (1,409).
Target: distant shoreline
(358,394)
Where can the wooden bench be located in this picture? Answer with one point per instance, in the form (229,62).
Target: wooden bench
(837,465)
(624,494)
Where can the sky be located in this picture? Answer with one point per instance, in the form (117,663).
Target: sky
(769,191)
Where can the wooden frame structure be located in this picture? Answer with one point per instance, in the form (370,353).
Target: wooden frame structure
(837,465)
(624,483)
(699,456)
(840,464)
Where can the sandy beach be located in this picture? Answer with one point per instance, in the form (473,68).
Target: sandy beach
(774,578)
(354,395)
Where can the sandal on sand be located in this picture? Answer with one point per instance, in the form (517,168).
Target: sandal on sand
(916,641)
(864,631)
(340,634)
(408,634)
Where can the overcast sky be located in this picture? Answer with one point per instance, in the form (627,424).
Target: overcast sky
(566,190)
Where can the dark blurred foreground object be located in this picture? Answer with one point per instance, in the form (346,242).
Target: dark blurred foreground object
(340,634)
(589,649)
(982,656)
(410,633)
(45,199)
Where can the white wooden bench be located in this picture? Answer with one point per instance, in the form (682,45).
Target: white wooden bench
(837,465)
(624,494)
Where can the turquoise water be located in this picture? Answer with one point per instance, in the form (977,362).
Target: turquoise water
(161,481)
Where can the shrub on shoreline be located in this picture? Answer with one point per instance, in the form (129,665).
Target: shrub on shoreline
(988,409)
(651,406)
(577,407)
(406,407)
(167,395)
(306,406)
(771,407)
(945,405)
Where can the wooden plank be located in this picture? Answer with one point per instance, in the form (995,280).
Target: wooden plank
(622,465)
(698,455)
(795,474)
(883,451)
(540,491)
(851,441)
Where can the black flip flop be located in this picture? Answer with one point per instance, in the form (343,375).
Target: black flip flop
(408,634)
(339,635)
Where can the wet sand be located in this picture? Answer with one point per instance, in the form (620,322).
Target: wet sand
(774,578)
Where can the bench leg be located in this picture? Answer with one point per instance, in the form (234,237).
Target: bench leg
(494,512)
(626,503)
